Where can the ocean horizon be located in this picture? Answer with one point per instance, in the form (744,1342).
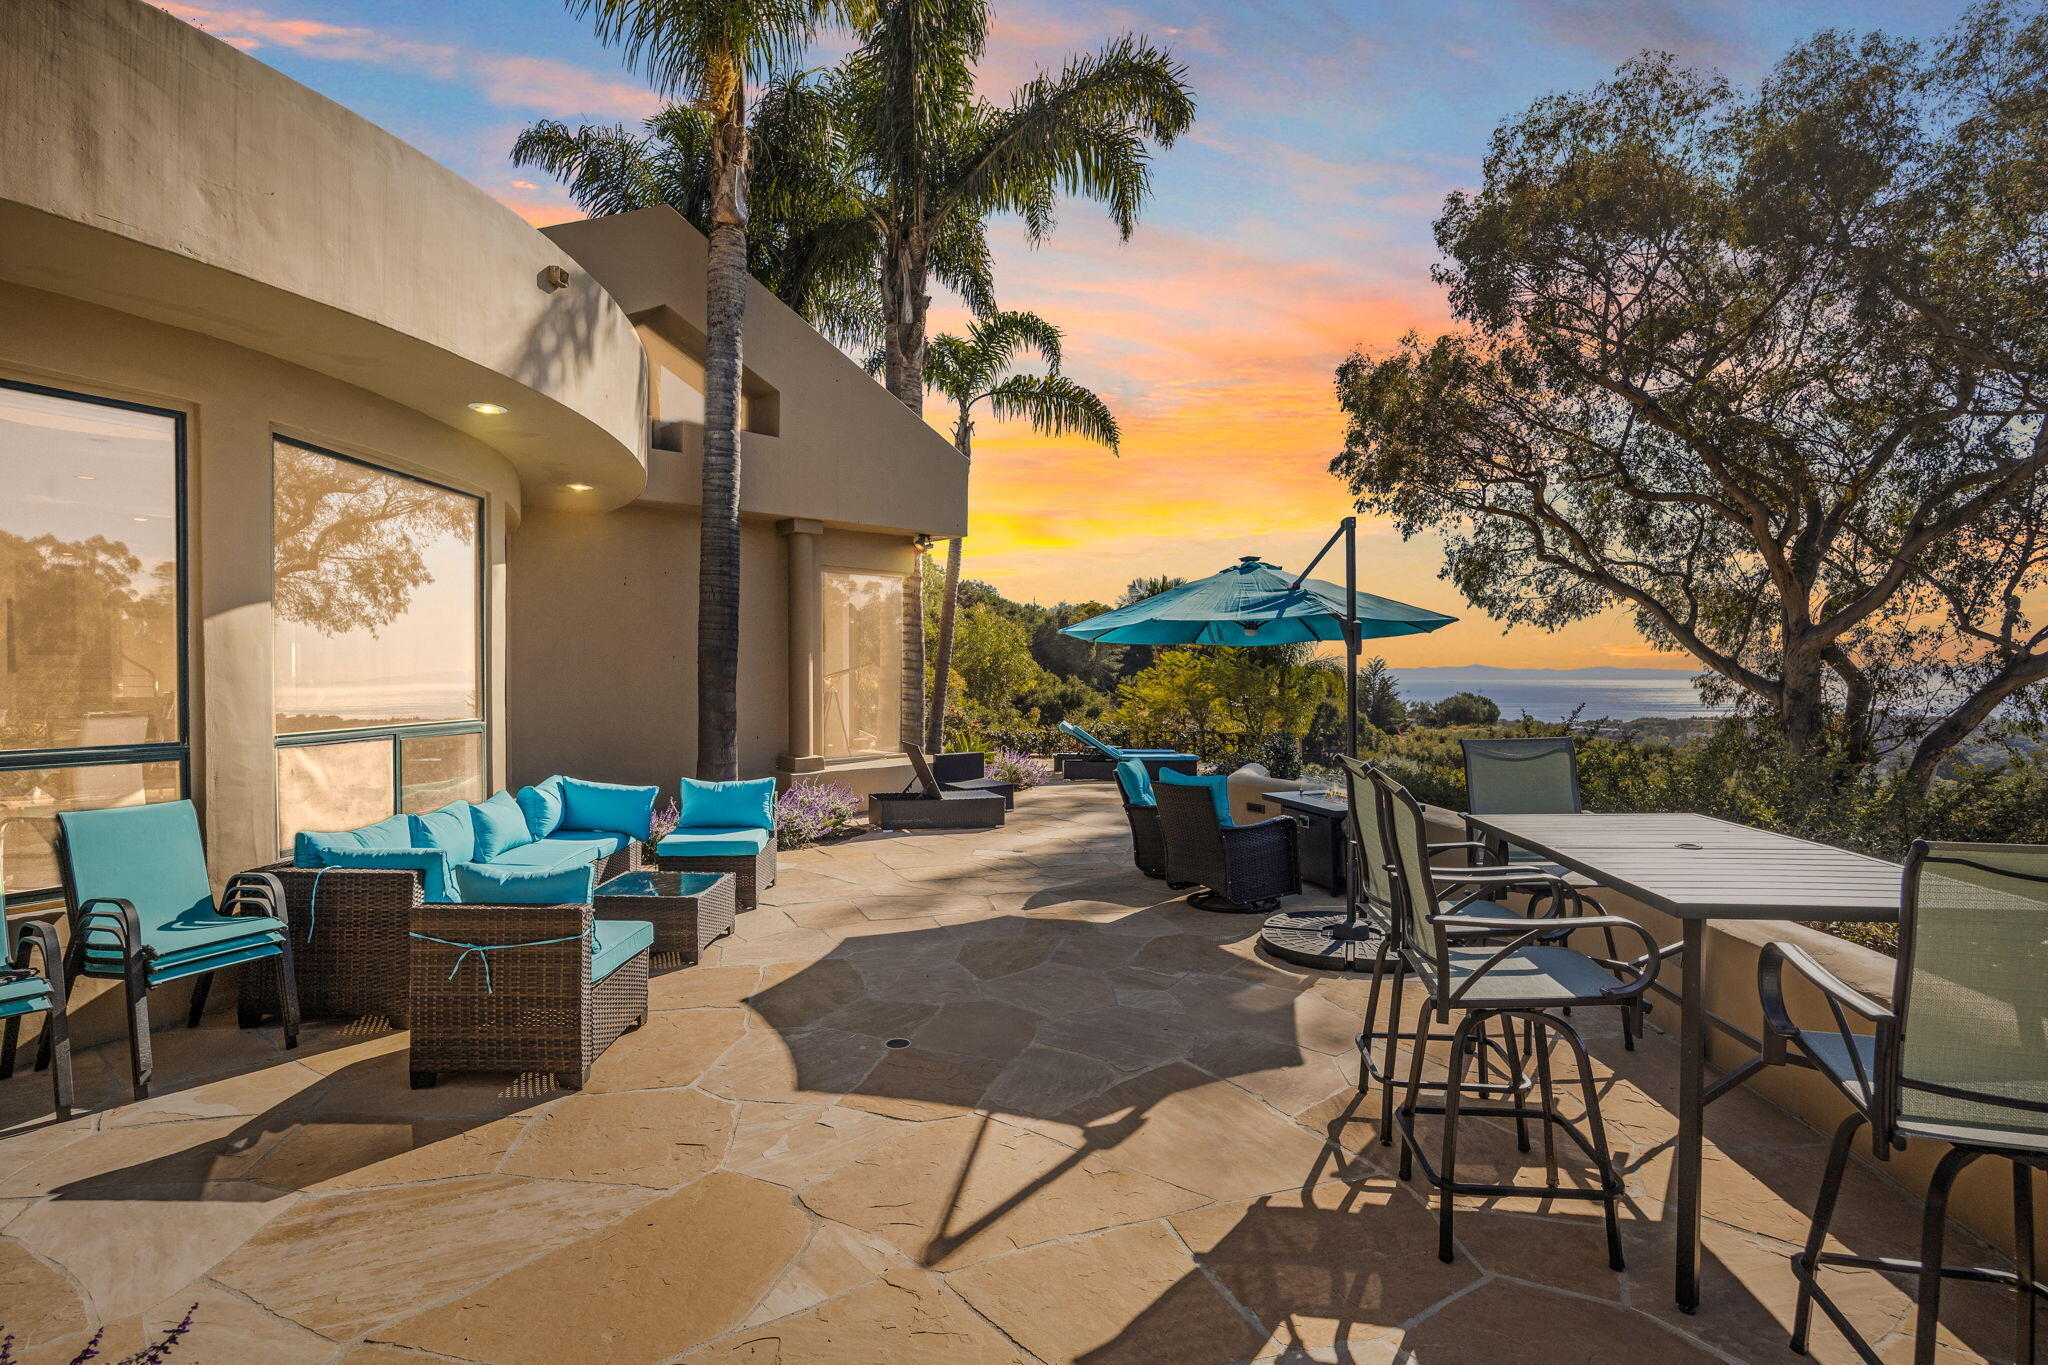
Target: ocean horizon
(1555,693)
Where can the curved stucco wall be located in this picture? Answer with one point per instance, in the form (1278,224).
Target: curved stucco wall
(148,167)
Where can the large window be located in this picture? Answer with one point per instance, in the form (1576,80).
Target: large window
(91,628)
(863,664)
(378,607)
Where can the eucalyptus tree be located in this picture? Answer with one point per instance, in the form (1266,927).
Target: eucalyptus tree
(971,371)
(707,53)
(1766,369)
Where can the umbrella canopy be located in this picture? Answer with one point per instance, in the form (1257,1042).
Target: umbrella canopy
(1253,603)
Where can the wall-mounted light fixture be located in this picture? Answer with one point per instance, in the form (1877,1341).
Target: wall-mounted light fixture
(552,279)
(924,544)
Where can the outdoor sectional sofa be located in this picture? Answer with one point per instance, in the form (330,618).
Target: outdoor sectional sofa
(353,893)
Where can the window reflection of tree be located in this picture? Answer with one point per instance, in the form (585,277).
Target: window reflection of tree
(860,689)
(90,655)
(351,540)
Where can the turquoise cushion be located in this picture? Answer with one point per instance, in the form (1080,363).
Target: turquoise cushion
(731,842)
(1136,781)
(159,973)
(613,943)
(726,805)
(606,805)
(542,803)
(150,856)
(106,956)
(500,827)
(600,843)
(395,831)
(542,855)
(435,866)
(497,884)
(1219,790)
(28,996)
(449,829)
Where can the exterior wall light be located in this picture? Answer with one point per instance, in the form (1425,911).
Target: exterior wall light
(487,409)
(924,544)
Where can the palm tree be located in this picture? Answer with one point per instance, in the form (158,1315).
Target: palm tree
(971,370)
(707,52)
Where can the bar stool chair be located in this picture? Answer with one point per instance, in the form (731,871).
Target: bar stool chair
(1521,980)
(1960,1058)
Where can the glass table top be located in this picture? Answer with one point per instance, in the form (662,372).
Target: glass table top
(652,883)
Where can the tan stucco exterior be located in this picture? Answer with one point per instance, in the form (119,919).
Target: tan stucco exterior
(150,168)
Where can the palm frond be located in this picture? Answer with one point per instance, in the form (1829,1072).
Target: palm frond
(694,48)
(998,337)
(962,261)
(1056,406)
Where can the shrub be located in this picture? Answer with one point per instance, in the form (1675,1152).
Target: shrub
(806,812)
(1021,770)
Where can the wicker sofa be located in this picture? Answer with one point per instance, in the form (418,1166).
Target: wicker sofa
(353,908)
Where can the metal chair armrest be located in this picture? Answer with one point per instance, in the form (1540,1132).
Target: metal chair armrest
(1483,850)
(1531,931)
(35,934)
(256,892)
(1779,1028)
(127,927)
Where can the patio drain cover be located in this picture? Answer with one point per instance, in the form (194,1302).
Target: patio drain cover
(897,1042)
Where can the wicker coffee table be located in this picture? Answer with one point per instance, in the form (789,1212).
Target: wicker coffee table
(689,910)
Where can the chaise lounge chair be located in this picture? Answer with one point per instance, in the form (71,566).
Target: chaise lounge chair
(931,806)
(1099,764)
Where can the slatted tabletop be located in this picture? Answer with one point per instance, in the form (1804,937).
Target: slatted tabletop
(1697,867)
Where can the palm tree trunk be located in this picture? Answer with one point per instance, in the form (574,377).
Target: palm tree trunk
(949,605)
(905,273)
(718,541)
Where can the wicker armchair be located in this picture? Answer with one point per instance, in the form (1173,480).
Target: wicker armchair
(1244,867)
(509,988)
(1141,808)
(351,950)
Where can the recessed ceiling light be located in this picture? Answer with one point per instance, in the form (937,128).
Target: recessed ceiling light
(142,518)
(87,477)
(487,409)
(579,488)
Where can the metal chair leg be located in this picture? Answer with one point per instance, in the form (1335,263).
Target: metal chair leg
(1539,1048)
(1596,1132)
(1933,1236)
(1446,1205)
(10,1036)
(1372,1012)
(1807,1263)
(201,988)
(1514,1065)
(1393,1044)
(1413,1098)
(2023,1258)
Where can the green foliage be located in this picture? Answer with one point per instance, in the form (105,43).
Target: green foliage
(1460,708)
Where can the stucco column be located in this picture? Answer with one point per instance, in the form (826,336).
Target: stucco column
(806,641)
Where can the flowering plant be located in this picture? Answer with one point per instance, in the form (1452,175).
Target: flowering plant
(806,812)
(1020,770)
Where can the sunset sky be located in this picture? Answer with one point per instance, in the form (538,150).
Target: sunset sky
(1290,225)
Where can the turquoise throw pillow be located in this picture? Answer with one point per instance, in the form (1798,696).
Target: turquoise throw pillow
(749,804)
(608,806)
(542,803)
(447,829)
(482,884)
(433,865)
(1136,783)
(500,827)
(1219,790)
(311,848)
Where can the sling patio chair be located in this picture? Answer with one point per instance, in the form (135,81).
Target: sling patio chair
(142,912)
(25,991)
(1533,775)
(1367,789)
(929,805)
(1101,759)
(1524,979)
(1242,868)
(1960,1057)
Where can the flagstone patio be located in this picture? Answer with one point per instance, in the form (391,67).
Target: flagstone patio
(1116,1136)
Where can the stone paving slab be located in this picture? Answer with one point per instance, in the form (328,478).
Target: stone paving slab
(1116,1136)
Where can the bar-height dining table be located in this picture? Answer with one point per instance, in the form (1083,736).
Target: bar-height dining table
(1698,869)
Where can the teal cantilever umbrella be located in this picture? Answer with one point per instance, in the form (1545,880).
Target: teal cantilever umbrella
(1256,603)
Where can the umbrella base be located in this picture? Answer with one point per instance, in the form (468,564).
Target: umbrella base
(1320,938)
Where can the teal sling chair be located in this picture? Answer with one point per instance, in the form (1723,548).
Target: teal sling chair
(142,912)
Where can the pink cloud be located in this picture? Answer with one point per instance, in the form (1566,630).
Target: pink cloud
(537,83)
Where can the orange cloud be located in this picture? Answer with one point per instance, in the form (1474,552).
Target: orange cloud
(537,83)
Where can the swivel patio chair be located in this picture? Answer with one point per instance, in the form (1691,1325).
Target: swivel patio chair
(25,991)
(1521,980)
(1960,1058)
(1141,809)
(142,912)
(1244,868)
